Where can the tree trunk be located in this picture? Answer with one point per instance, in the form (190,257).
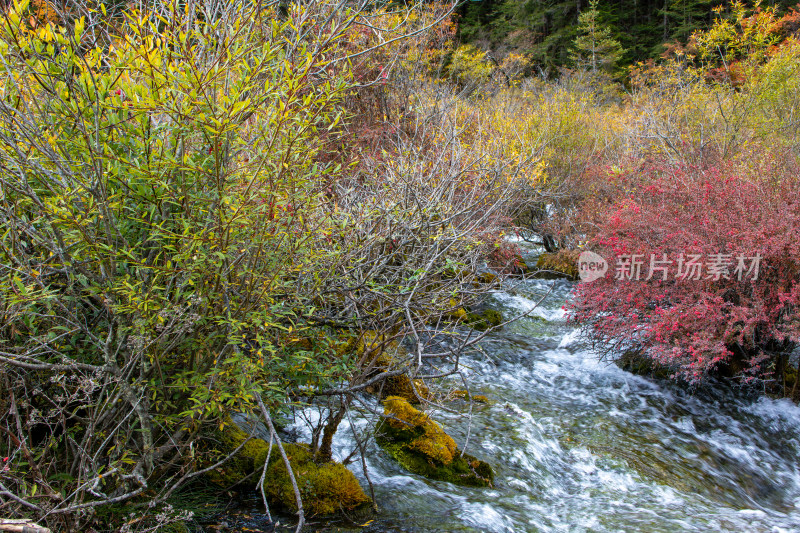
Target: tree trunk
(325,453)
(550,244)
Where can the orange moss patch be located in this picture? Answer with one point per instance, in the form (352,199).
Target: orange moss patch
(433,442)
(402,386)
(421,446)
(480,398)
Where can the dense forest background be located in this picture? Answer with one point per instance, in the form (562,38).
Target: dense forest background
(545,30)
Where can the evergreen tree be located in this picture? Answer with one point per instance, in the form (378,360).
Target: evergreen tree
(595,49)
(545,31)
(684,17)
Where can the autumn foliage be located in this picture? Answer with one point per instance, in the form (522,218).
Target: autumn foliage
(214,206)
(730,315)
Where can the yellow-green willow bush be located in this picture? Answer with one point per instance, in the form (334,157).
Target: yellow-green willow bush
(158,202)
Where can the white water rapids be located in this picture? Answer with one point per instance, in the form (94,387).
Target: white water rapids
(579,445)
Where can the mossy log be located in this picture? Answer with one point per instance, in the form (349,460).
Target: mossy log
(21,525)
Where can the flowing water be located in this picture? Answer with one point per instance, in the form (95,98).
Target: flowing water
(579,445)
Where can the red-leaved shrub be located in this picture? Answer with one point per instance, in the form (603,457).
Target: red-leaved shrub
(730,318)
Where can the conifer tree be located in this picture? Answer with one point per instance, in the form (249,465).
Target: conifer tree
(595,49)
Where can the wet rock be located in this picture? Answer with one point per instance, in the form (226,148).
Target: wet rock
(635,362)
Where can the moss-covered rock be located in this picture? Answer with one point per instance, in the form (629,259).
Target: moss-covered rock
(638,363)
(459,314)
(493,317)
(250,458)
(486,278)
(421,446)
(488,318)
(790,377)
(402,386)
(480,320)
(326,489)
(516,265)
(479,398)
(392,357)
(562,264)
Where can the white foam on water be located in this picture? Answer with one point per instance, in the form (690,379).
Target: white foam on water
(546,483)
(521,304)
(571,339)
(752,513)
(685,423)
(486,517)
(783,413)
(669,497)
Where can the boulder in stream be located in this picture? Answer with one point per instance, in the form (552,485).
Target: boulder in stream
(422,447)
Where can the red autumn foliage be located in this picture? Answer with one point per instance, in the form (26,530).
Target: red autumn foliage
(717,323)
(788,25)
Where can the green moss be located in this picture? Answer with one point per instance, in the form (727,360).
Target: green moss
(562,264)
(790,376)
(489,318)
(493,317)
(401,386)
(459,314)
(250,458)
(421,446)
(418,431)
(326,489)
(480,398)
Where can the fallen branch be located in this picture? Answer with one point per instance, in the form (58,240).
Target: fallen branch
(21,526)
(274,435)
